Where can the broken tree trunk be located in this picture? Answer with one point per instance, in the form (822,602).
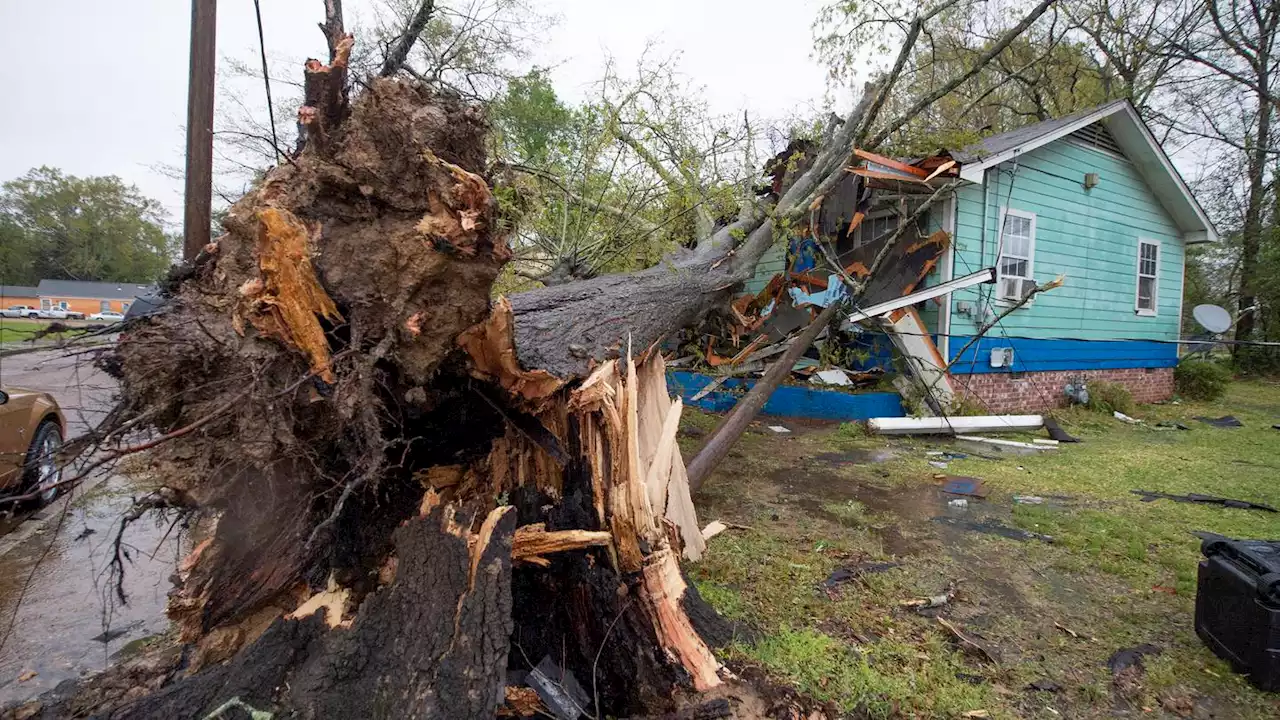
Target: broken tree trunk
(392,501)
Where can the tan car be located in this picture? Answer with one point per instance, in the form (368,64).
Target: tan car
(31,432)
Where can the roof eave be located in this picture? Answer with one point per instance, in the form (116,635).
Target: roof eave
(1199,231)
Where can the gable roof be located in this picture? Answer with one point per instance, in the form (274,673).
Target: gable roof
(17,291)
(1133,137)
(92,290)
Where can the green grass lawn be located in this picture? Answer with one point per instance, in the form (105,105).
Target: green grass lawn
(19,329)
(1120,572)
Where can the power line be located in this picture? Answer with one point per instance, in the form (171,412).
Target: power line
(266,81)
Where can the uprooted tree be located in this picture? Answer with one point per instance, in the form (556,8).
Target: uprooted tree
(409,489)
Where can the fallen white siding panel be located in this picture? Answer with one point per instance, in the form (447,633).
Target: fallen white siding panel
(955,425)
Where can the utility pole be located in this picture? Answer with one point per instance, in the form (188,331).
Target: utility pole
(198,204)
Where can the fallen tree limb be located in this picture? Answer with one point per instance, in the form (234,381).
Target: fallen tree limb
(724,436)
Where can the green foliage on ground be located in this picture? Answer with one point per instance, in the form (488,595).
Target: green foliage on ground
(1107,397)
(57,226)
(1201,379)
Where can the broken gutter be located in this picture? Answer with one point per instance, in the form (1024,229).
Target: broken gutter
(984,276)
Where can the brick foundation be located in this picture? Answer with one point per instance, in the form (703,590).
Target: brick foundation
(1039,391)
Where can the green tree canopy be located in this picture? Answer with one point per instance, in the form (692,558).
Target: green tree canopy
(64,227)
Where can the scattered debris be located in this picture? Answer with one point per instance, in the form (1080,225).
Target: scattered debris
(933,601)
(709,388)
(1028,500)
(559,690)
(715,527)
(1275,427)
(84,534)
(959,503)
(27,675)
(1043,441)
(834,376)
(853,572)
(1125,418)
(961,485)
(1172,425)
(779,429)
(976,714)
(969,644)
(1057,433)
(1125,658)
(1165,589)
(970,678)
(1045,685)
(959,424)
(1005,443)
(521,702)
(1150,496)
(993,527)
(1069,631)
(1226,421)
(938,464)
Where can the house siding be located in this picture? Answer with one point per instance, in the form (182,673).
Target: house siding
(88,306)
(1089,236)
(771,263)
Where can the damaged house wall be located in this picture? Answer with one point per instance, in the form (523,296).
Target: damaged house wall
(1085,204)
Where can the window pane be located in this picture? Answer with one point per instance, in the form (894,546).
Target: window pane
(1014,225)
(1013,267)
(1019,246)
(1146,298)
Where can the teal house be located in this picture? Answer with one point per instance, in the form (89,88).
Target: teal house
(1090,197)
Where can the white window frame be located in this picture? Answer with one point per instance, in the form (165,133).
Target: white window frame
(1155,281)
(1031,252)
(858,235)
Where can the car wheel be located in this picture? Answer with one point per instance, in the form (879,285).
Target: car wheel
(43,473)
(33,316)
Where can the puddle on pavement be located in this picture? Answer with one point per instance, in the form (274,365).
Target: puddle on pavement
(66,611)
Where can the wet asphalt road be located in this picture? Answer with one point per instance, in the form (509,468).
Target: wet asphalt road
(54,561)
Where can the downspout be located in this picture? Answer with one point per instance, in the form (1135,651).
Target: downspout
(948,274)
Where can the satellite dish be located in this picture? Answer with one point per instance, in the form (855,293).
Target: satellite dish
(1212,318)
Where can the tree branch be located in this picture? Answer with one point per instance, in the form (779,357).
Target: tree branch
(917,107)
(399,51)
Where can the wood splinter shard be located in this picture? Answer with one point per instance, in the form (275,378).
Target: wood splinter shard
(533,542)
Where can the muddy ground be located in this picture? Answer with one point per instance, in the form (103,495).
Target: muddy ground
(1047,592)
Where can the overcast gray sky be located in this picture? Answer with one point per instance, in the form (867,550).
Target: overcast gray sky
(101,86)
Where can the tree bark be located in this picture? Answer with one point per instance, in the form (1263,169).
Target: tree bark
(399,52)
(1251,237)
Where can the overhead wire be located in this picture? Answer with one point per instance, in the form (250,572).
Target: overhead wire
(266,80)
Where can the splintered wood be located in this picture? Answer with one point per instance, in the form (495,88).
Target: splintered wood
(493,357)
(532,542)
(287,301)
(621,423)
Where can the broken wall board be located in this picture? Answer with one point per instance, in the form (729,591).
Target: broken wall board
(925,364)
(909,261)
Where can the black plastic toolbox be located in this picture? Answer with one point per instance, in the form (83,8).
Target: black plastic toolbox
(1238,606)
